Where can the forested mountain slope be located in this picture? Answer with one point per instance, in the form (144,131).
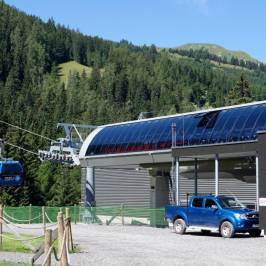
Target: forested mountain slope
(124,79)
(219,51)
(220,55)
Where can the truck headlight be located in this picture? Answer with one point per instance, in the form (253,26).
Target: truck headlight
(240,216)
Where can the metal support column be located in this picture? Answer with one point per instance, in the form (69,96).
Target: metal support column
(196,177)
(177,183)
(90,187)
(257,182)
(172,184)
(216,175)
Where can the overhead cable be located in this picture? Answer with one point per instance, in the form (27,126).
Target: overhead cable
(26,130)
(18,147)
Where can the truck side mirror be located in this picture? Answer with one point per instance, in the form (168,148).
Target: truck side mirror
(214,207)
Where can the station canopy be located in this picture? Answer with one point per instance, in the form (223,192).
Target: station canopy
(223,125)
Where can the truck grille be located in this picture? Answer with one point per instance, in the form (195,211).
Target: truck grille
(252,215)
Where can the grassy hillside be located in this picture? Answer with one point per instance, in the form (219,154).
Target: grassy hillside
(218,50)
(212,63)
(72,67)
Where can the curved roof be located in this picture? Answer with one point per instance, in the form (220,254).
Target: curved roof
(221,125)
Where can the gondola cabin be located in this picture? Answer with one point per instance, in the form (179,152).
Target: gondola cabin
(11,173)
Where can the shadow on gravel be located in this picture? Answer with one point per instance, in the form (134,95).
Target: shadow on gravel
(238,236)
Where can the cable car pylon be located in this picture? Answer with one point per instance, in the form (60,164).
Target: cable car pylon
(62,150)
(66,150)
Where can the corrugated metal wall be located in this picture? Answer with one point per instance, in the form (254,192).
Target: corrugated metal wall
(130,187)
(245,192)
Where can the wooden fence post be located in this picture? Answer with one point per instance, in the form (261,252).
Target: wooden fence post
(75,214)
(1,225)
(47,245)
(60,226)
(30,214)
(43,219)
(61,243)
(122,214)
(69,230)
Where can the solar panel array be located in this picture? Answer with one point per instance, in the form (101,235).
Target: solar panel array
(218,126)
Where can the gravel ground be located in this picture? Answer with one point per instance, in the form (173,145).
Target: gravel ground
(133,245)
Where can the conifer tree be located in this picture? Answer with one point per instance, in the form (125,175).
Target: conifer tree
(240,93)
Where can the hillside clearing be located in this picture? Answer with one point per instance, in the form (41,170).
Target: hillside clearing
(72,67)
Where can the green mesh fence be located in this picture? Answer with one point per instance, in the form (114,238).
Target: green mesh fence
(23,215)
(97,215)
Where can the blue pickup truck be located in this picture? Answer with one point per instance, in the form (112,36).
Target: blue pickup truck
(222,214)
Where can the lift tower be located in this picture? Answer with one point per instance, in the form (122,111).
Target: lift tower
(66,150)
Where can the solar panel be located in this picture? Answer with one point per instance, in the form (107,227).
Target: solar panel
(218,126)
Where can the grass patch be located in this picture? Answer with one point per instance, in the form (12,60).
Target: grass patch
(72,67)
(222,65)
(3,263)
(76,249)
(19,246)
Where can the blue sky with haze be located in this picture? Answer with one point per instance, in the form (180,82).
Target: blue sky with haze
(234,24)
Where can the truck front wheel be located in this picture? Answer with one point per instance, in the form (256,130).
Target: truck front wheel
(180,226)
(227,229)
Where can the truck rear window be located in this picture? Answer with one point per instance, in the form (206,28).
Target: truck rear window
(197,202)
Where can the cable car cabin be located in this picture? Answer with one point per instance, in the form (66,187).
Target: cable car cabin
(11,173)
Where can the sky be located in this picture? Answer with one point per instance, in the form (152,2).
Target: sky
(234,24)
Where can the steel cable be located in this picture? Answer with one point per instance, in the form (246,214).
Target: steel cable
(21,148)
(26,130)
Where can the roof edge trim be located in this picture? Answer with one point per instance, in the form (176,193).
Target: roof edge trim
(127,154)
(88,140)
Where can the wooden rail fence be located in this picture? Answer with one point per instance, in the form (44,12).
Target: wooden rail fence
(62,232)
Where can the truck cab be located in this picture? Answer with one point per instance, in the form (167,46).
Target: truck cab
(223,214)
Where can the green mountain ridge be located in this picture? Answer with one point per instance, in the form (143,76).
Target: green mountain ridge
(122,80)
(219,51)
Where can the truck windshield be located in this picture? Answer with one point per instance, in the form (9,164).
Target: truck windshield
(230,202)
